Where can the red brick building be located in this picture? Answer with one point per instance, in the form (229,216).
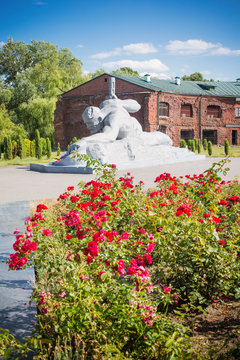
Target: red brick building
(181,109)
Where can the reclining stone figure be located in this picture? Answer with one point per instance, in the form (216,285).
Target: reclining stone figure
(115,123)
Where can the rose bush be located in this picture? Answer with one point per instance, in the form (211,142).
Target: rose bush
(112,262)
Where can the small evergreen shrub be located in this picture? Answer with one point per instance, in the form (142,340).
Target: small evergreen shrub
(209,148)
(58,149)
(195,142)
(9,148)
(205,144)
(183,143)
(38,145)
(14,149)
(193,147)
(49,149)
(32,148)
(189,144)
(28,147)
(5,140)
(226,147)
(199,147)
(44,146)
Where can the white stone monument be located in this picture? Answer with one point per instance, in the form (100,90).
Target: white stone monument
(117,138)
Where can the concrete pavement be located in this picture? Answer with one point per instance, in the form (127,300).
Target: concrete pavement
(18,183)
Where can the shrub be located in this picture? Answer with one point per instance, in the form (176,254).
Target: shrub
(195,142)
(44,146)
(58,149)
(189,144)
(113,262)
(38,145)
(226,147)
(183,143)
(209,148)
(32,148)
(14,149)
(199,147)
(49,149)
(28,147)
(8,149)
(5,146)
(19,146)
(205,144)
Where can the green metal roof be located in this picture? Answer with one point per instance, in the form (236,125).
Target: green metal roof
(205,88)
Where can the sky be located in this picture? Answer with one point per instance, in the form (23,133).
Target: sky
(162,38)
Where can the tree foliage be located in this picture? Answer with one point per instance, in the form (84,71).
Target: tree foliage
(125,71)
(7,127)
(197,76)
(32,77)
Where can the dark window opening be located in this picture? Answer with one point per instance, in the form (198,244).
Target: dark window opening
(187,134)
(234,137)
(163,128)
(238,112)
(186,110)
(210,135)
(213,111)
(163,109)
(105,79)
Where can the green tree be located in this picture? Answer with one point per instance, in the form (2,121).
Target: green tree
(125,71)
(38,145)
(9,154)
(7,127)
(205,144)
(58,149)
(209,148)
(183,143)
(49,149)
(32,148)
(97,73)
(199,147)
(226,147)
(197,76)
(32,77)
(20,146)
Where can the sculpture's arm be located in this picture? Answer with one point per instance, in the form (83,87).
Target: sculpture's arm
(109,133)
(131,105)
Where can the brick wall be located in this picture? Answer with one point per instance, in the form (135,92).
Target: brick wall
(70,106)
(68,121)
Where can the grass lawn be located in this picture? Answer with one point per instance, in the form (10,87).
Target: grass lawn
(26,161)
(218,151)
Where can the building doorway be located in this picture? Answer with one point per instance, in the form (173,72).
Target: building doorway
(210,135)
(234,137)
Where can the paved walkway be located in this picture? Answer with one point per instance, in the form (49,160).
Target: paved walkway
(18,187)
(18,183)
(16,314)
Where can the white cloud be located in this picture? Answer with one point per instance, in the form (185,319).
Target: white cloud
(137,48)
(197,47)
(40,3)
(225,51)
(2,43)
(190,47)
(79,46)
(147,66)
(158,75)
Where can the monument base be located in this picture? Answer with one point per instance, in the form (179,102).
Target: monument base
(123,156)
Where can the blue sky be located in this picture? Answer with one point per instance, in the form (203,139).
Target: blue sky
(163,38)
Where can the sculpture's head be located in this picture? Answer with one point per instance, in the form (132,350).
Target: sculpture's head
(92,117)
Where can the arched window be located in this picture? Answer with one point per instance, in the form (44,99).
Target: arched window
(213,111)
(186,110)
(163,109)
